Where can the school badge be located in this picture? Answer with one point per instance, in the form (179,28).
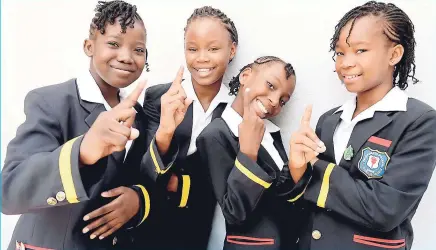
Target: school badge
(373,163)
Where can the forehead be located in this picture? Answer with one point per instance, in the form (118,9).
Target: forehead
(137,33)
(367,29)
(276,72)
(206,29)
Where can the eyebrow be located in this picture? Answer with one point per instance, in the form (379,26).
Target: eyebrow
(353,43)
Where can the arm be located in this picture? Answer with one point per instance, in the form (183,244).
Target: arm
(238,183)
(385,203)
(39,164)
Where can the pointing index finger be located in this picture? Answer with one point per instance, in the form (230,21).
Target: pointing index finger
(306,116)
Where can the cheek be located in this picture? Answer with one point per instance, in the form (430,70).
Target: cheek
(139,61)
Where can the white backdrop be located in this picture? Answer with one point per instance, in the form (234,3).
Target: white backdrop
(42,44)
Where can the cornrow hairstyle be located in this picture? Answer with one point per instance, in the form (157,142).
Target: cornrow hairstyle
(234,84)
(110,12)
(397,27)
(208,11)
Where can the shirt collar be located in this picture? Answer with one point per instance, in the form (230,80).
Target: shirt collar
(233,119)
(90,92)
(395,100)
(222,96)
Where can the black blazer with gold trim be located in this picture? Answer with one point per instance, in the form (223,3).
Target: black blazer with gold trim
(367,201)
(43,180)
(257,211)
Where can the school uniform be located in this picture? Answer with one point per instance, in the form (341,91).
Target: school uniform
(44,180)
(366,187)
(183,219)
(246,190)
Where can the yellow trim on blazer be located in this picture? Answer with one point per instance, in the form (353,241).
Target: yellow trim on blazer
(298,196)
(65,171)
(323,193)
(186,186)
(153,157)
(146,202)
(250,175)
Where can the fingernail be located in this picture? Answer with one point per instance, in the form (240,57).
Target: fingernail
(92,236)
(86,217)
(247,89)
(104,194)
(85,230)
(321,144)
(101,237)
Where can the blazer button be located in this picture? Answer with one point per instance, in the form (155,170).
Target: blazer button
(60,196)
(52,201)
(114,241)
(316,235)
(182,170)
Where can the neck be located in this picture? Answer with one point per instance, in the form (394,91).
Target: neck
(370,97)
(206,93)
(109,92)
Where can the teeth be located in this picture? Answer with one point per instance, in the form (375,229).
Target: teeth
(351,77)
(262,108)
(204,70)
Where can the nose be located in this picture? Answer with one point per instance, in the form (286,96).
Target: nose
(348,61)
(125,56)
(274,100)
(203,56)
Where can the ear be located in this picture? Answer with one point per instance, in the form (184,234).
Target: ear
(397,53)
(245,75)
(88,47)
(232,51)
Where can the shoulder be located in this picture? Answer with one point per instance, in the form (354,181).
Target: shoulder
(55,94)
(156,91)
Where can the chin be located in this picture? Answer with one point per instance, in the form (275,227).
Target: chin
(206,81)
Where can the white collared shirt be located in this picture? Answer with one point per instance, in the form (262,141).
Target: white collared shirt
(394,100)
(233,119)
(90,92)
(201,118)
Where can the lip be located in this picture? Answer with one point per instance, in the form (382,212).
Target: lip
(268,110)
(204,73)
(349,78)
(124,70)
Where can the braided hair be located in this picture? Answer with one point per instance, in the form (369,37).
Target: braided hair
(110,12)
(234,84)
(208,11)
(397,27)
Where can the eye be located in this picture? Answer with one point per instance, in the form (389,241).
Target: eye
(339,53)
(282,103)
(214,49)
(140,50)
(192,49)
(360,51)
(270,85)
(113,44)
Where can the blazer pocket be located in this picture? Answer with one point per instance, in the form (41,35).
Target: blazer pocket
(377,242)
(249,241)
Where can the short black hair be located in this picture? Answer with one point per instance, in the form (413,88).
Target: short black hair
(109,12)
(234,84)
(398,28)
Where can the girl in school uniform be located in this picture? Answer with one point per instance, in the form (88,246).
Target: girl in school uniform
(177,112)
(244,154)
(380,146)
(72,147)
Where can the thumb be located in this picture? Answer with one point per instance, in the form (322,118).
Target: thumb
(113,192)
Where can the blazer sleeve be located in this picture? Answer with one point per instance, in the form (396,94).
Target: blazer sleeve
(41,171)
(380,204)
(238,182)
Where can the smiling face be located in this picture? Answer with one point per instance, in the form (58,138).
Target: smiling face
(365,61)
(208,50)
(270,89)
(117,59)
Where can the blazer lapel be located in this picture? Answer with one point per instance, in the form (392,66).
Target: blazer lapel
(328,129)
(183,133)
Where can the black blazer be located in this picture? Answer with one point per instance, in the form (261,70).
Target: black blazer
(258,213)
(43,180)
(368,201)
(181,220)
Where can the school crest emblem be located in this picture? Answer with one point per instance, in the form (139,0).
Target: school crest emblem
(373,163)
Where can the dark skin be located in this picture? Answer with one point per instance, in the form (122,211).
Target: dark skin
(264,91)
(365,64)
(117,60)
(208,51)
